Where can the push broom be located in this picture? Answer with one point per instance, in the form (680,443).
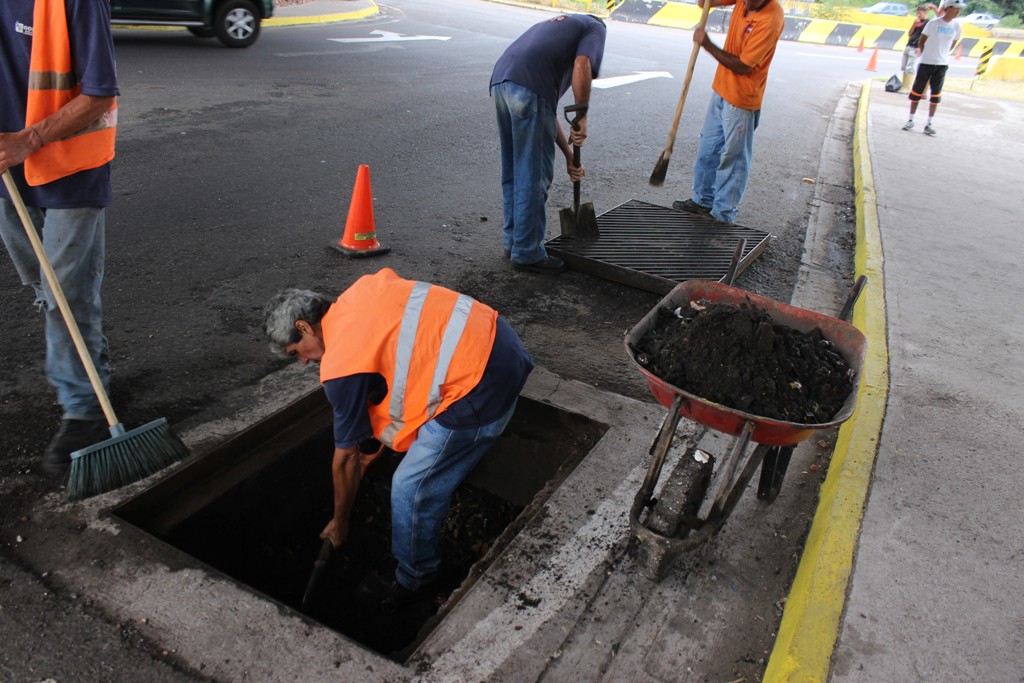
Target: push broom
(126,457)
(661,168)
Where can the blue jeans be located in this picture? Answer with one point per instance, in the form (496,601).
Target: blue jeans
(421,490)
(74,241)
(723,158)
(526,128)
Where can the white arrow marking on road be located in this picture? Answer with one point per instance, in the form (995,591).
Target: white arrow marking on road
(636,77)
(387,37)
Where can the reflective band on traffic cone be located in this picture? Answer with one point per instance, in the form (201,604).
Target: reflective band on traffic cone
(360,238)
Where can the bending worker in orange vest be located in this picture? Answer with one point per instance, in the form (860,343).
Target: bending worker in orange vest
(58,115)
(427,371)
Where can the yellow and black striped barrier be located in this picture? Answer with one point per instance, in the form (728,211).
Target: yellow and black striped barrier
(803,29)
(983,61)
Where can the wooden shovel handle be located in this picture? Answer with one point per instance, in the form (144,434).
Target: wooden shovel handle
(686,81)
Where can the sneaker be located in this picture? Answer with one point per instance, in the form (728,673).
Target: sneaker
(390,595)
(691,206)
(548,264)
(72,436)
(909,125)
(928,130)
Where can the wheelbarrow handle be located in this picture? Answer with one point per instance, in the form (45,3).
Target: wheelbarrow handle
(851,300)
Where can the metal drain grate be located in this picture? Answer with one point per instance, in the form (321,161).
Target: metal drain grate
(654,248)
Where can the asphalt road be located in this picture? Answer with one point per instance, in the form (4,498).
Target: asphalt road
(235,168)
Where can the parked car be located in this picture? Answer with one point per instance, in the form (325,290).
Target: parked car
(986,21)
(236,23)
(893,8)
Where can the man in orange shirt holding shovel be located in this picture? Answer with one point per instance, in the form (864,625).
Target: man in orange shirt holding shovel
(727,137)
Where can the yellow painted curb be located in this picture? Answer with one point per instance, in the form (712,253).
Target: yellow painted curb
(373,10)
(814,608)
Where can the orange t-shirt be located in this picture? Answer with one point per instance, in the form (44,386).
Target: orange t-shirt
(752,38)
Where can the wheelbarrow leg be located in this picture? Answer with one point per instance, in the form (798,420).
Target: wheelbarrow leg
(773,471)
(659,449)
(728,503)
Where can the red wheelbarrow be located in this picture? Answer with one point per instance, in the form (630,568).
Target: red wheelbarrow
(716,490)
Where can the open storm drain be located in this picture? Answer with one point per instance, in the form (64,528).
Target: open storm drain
(254,507)
(654,248)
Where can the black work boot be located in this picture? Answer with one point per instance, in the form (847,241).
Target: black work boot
(72,436)
(389,595)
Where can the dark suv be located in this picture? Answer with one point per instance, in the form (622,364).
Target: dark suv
(236,23)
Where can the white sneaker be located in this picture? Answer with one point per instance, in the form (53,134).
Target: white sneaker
(928,130)
(909,125)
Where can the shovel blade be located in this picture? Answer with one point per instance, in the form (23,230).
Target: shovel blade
(567,219)
(586,222)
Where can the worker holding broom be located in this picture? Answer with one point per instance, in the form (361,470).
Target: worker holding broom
(429,372)
(57,128)
(727,136)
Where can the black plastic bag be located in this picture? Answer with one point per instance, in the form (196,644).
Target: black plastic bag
(893,84)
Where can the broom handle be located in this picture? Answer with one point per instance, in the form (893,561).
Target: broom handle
(62,303)
(670,143)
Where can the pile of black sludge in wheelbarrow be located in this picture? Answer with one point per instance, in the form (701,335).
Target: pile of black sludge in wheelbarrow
(739,357)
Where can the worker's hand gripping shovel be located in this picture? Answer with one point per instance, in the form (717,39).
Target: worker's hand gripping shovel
(579,221)
(318,569)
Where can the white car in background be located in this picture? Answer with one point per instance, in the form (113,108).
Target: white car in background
(895,9)
(986,21)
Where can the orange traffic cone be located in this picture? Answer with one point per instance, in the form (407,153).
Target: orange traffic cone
(873,62)
(360,238)
(860,48)
(959,50)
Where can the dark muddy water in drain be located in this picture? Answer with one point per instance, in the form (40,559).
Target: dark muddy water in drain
(265,533)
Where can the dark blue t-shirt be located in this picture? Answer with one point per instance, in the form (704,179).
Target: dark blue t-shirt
(92,54)
(504,376)
(542,58)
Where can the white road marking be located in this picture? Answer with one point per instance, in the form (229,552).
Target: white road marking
(636,77)
(387,37)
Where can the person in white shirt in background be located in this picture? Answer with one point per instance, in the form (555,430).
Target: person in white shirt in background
(939,37)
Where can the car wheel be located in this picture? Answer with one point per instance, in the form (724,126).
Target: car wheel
(201,31)
(237,24)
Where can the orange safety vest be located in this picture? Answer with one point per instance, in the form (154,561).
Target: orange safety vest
(431,345)
(51,85)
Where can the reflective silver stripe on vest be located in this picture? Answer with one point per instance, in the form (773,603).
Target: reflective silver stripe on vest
(403,355)
(51,80)
(452,335)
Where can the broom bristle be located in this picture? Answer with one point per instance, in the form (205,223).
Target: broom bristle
(123,459)
(660,170)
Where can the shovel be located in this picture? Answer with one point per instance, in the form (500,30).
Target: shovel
(318,569)
(580,220)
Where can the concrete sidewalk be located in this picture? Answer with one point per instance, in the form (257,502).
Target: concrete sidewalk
(927,585)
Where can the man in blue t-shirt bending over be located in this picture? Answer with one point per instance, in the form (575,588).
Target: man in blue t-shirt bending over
(528,80)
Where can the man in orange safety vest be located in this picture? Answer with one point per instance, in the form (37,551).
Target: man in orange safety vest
(428,372)
(58,114)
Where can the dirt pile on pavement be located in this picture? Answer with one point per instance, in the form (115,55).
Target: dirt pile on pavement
(739,357)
